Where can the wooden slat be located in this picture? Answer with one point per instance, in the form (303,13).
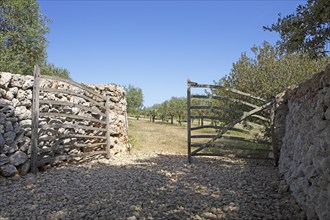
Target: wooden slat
(224,154)
(35,119)
(220,127)
(272,122)
(189,122)
(230,126)
(196,85)
(53,102)
(65,136)
(235,147)
(224,99)
(213,118)
(81,86)
(63,115)
(107,106)
(73,94)
(73,126)
(43,161)
(261,118)
(217,108)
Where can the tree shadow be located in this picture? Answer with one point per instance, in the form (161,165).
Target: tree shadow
(158,187)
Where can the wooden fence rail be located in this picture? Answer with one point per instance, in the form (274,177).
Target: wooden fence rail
(263,112)
(89,130)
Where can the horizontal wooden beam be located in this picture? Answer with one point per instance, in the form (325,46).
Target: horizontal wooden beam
(63,115)
(232,138)
(196,85)
(213,118)
(43,89)
(65,136)
(79,85)
(219,128)
(72,126)
(224,99)
(43,161)
(234,147)
(217,108)
(53,102)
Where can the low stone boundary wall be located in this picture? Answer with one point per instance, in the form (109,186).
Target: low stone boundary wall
(15,118)
(303,136)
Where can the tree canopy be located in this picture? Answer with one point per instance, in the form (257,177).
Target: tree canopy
(307,30)
(134,98)
(22,38)
(270,72)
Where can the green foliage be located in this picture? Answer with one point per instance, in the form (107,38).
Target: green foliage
(169,109)
(134,98)
(50,69)
(271,72)
(22,39)
(306,31)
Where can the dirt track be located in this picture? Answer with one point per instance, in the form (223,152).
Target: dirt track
(150,187)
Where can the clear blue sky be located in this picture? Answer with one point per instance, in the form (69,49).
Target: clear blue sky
(156,45)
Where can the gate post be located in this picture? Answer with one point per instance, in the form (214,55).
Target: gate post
(272,124)
(35,119)
(188,122)
(107,119)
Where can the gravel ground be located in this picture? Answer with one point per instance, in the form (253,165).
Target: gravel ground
(150,187)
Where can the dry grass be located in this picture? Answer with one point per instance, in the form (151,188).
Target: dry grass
(147,137)
(150,137)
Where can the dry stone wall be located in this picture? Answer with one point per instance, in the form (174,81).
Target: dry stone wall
(303,135)
(15,120)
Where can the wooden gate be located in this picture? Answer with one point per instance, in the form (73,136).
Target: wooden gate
(229,122)
(67,122)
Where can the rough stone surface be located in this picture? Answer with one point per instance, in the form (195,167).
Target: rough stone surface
(15,118)
(303,136)
(161,186)
(3,159)
(8,170)
(18,158)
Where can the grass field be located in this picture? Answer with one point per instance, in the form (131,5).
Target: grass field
(160,137)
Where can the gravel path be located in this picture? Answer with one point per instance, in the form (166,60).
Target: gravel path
(150,187)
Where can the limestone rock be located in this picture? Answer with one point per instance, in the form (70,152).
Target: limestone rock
(24,168)
(9,137)
(5,79)
(18,158)
(3,159)
(8,170)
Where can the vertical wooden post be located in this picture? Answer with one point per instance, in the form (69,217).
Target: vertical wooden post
(188,122)
(107,119)
(272,124)
(35,119)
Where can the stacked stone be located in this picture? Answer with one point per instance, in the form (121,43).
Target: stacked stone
(304,132)
(15,120)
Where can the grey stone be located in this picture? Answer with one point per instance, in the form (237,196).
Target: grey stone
(25,123)
(17,81)
(8,170)
(2,140)
(5,79)
(9,137)
(24,168)
(2,118)
(9,126)
(18,158)
(22,113)
(28,83)
(3,159)
(21,95)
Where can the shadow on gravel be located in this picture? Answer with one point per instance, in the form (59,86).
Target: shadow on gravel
(160,187)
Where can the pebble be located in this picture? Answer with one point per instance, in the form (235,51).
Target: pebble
(142,187)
